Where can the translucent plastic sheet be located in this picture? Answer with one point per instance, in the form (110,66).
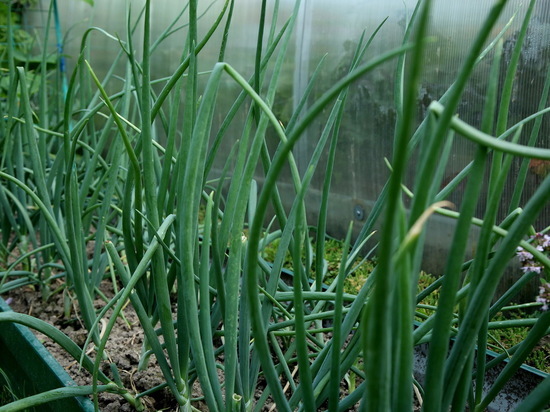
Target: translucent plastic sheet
(333,28)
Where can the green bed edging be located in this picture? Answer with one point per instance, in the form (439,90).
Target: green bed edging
(31,369)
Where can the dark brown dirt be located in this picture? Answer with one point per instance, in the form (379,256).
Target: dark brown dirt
(123,349)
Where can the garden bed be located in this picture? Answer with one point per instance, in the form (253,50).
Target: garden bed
(105,181)
(125,345)
(124,349)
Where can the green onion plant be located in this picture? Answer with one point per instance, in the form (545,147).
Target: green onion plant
(124,166)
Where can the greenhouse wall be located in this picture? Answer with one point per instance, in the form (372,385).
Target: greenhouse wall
(333,29)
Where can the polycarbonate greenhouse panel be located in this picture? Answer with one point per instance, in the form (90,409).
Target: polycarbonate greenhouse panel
(333,28)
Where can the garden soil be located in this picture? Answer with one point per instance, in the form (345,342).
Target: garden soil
(123,348)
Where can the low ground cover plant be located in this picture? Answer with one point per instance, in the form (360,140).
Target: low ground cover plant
(507,328)
(113,182)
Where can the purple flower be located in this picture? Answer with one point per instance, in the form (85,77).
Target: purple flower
(541,242)
(528,262)
(544,302)
(544,295)
(523,255)
(536,269)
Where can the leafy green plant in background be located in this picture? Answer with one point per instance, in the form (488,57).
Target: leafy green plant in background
(17,47)
(212,308)
(11,32)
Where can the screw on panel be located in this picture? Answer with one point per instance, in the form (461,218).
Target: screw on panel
(359,213)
